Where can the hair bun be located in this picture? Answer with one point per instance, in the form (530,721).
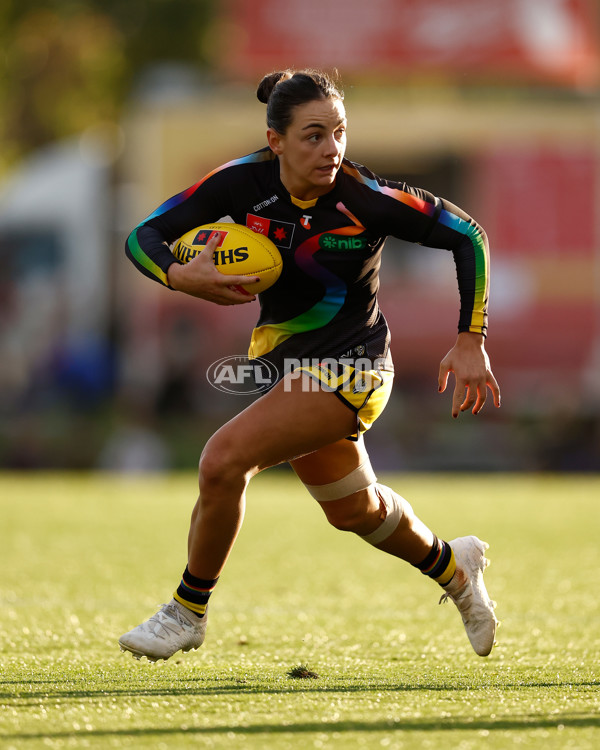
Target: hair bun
(268,83)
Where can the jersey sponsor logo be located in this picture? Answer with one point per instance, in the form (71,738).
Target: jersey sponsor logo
(335,242)
(279,232)
(264,204)
(305,221)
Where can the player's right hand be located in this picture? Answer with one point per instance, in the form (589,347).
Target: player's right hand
(201,278)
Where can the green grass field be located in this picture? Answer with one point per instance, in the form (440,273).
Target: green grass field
(84,558)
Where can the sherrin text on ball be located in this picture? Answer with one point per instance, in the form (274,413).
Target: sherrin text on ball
(240,251)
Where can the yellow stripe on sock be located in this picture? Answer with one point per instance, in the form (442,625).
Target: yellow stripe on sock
(445,578)
(199,609)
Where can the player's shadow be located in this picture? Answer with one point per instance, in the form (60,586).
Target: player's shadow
(29,693)
(33,692)
(517,722)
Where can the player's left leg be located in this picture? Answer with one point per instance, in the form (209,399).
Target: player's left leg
(328,472)
(340,478)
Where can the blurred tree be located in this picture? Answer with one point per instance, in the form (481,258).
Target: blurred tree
(68,64)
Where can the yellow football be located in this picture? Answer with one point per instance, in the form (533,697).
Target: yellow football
(240,252)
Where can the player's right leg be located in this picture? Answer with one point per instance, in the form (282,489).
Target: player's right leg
(276,428)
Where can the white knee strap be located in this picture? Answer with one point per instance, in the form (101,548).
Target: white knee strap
(395,507)
(359,479)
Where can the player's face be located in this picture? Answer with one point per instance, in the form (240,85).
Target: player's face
(311,151)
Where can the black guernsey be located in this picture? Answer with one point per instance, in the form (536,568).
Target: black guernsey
(324,305)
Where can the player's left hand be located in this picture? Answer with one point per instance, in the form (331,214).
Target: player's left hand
(470,364)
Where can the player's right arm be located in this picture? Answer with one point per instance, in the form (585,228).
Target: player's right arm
(148,245)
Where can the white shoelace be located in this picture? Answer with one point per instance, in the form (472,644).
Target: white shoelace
(169,612)
(458,598)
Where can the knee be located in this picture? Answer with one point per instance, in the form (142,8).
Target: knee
(220,466)
(350,513)
(210,467)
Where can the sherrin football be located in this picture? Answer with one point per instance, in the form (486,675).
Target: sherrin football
(240,251)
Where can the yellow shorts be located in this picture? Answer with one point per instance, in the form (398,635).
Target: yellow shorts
(366,392)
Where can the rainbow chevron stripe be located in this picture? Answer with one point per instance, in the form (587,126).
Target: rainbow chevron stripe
(267,337)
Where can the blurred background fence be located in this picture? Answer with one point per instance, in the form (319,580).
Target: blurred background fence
(108,108)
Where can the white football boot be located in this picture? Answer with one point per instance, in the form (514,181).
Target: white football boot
(172,628)
(467,590)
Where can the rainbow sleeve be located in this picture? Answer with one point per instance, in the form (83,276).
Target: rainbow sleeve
(473,265)
(418,216)
(148,244)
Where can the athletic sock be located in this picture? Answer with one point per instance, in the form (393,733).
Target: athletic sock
(194,593)
(439,563)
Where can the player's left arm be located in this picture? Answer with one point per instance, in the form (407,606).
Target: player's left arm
(468,359)
(454,230)
(389,207)
(418,216)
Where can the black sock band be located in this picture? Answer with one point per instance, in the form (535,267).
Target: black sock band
(439,563)
(194,592)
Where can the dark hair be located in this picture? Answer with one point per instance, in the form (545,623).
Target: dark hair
(286,89)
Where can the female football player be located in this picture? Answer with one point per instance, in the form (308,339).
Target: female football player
(319,324)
